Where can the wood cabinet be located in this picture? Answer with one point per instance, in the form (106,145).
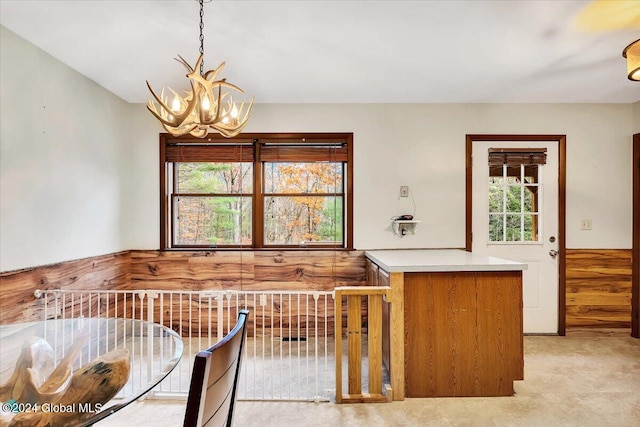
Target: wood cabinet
(452,333)
(463,333)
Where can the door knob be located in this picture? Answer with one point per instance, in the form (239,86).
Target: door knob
(553,253)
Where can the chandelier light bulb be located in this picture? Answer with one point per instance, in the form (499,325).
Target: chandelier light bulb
(206,104)
(175,106)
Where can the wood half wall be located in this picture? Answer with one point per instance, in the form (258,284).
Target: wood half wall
(598,280)
(18,304)
(247,271)
(598,290)
(176,271)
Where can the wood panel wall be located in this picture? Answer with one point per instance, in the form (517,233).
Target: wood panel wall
(598,281)
(252,271)
(598,288)
(248,271)
(18,304)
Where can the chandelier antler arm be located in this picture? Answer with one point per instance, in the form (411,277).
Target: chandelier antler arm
(178,131)
(152,109)
(216,103)
(234,129)
(184,63)
(211,74)
(219,99)
(196,76)
(225,132)
(178,118)
(224,83)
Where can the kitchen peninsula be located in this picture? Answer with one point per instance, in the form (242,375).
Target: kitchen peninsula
(452,325)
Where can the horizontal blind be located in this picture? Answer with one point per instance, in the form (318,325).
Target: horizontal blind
(209,153)
(303,153)
(517,156)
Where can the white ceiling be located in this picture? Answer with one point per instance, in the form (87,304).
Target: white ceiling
(438,51)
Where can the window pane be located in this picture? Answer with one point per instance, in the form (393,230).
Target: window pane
(531,174)
(514,228)
(531,228)
(294,220)
(496,228)
(514,174)
(495,174)
(212,220)
(530,199)
(224,178)
(496,198)
(514,203)
(321,177)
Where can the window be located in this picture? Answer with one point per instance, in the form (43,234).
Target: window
(515,194)
(256,190)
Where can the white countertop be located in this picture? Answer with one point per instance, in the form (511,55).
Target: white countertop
(442,260)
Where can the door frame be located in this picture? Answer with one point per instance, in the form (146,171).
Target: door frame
(562,212)
(635,252)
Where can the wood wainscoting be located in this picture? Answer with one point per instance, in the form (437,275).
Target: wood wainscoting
(104,272)
(598,280)
(246,270)
(284,271)
(598,288)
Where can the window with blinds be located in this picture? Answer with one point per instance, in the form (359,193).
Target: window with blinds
(257,190)
(515,193)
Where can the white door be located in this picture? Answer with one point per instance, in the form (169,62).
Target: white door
(515,217)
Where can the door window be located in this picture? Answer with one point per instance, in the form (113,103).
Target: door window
(514,196)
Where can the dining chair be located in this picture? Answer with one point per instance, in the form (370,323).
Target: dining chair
(214,380)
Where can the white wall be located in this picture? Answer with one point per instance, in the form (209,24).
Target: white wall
(64,161)
(423,146)
(79,166)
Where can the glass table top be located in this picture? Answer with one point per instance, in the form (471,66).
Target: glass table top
(74,372)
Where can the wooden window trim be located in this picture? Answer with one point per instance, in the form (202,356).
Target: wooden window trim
(635,250)
(258,148)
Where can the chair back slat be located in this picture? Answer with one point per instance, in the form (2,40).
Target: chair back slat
(214,380)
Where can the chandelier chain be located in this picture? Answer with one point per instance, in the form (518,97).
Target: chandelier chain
(201,35)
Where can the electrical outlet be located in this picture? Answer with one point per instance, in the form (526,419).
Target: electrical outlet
(585,224)
(404,191)
(263,300)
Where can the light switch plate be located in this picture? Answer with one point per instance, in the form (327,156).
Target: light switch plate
(404,191)
(585,224)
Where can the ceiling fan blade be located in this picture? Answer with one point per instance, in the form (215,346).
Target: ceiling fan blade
(608,15)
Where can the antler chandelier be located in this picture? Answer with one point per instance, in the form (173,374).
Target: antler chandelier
(206,107)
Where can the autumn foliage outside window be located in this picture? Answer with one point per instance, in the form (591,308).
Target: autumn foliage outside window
(303,203)
(266,190)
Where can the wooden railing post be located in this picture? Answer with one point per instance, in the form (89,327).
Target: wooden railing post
(354,340)
(338,344)
(354,296)
(375,343)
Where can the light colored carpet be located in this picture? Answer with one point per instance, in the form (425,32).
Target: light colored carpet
(569,381)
